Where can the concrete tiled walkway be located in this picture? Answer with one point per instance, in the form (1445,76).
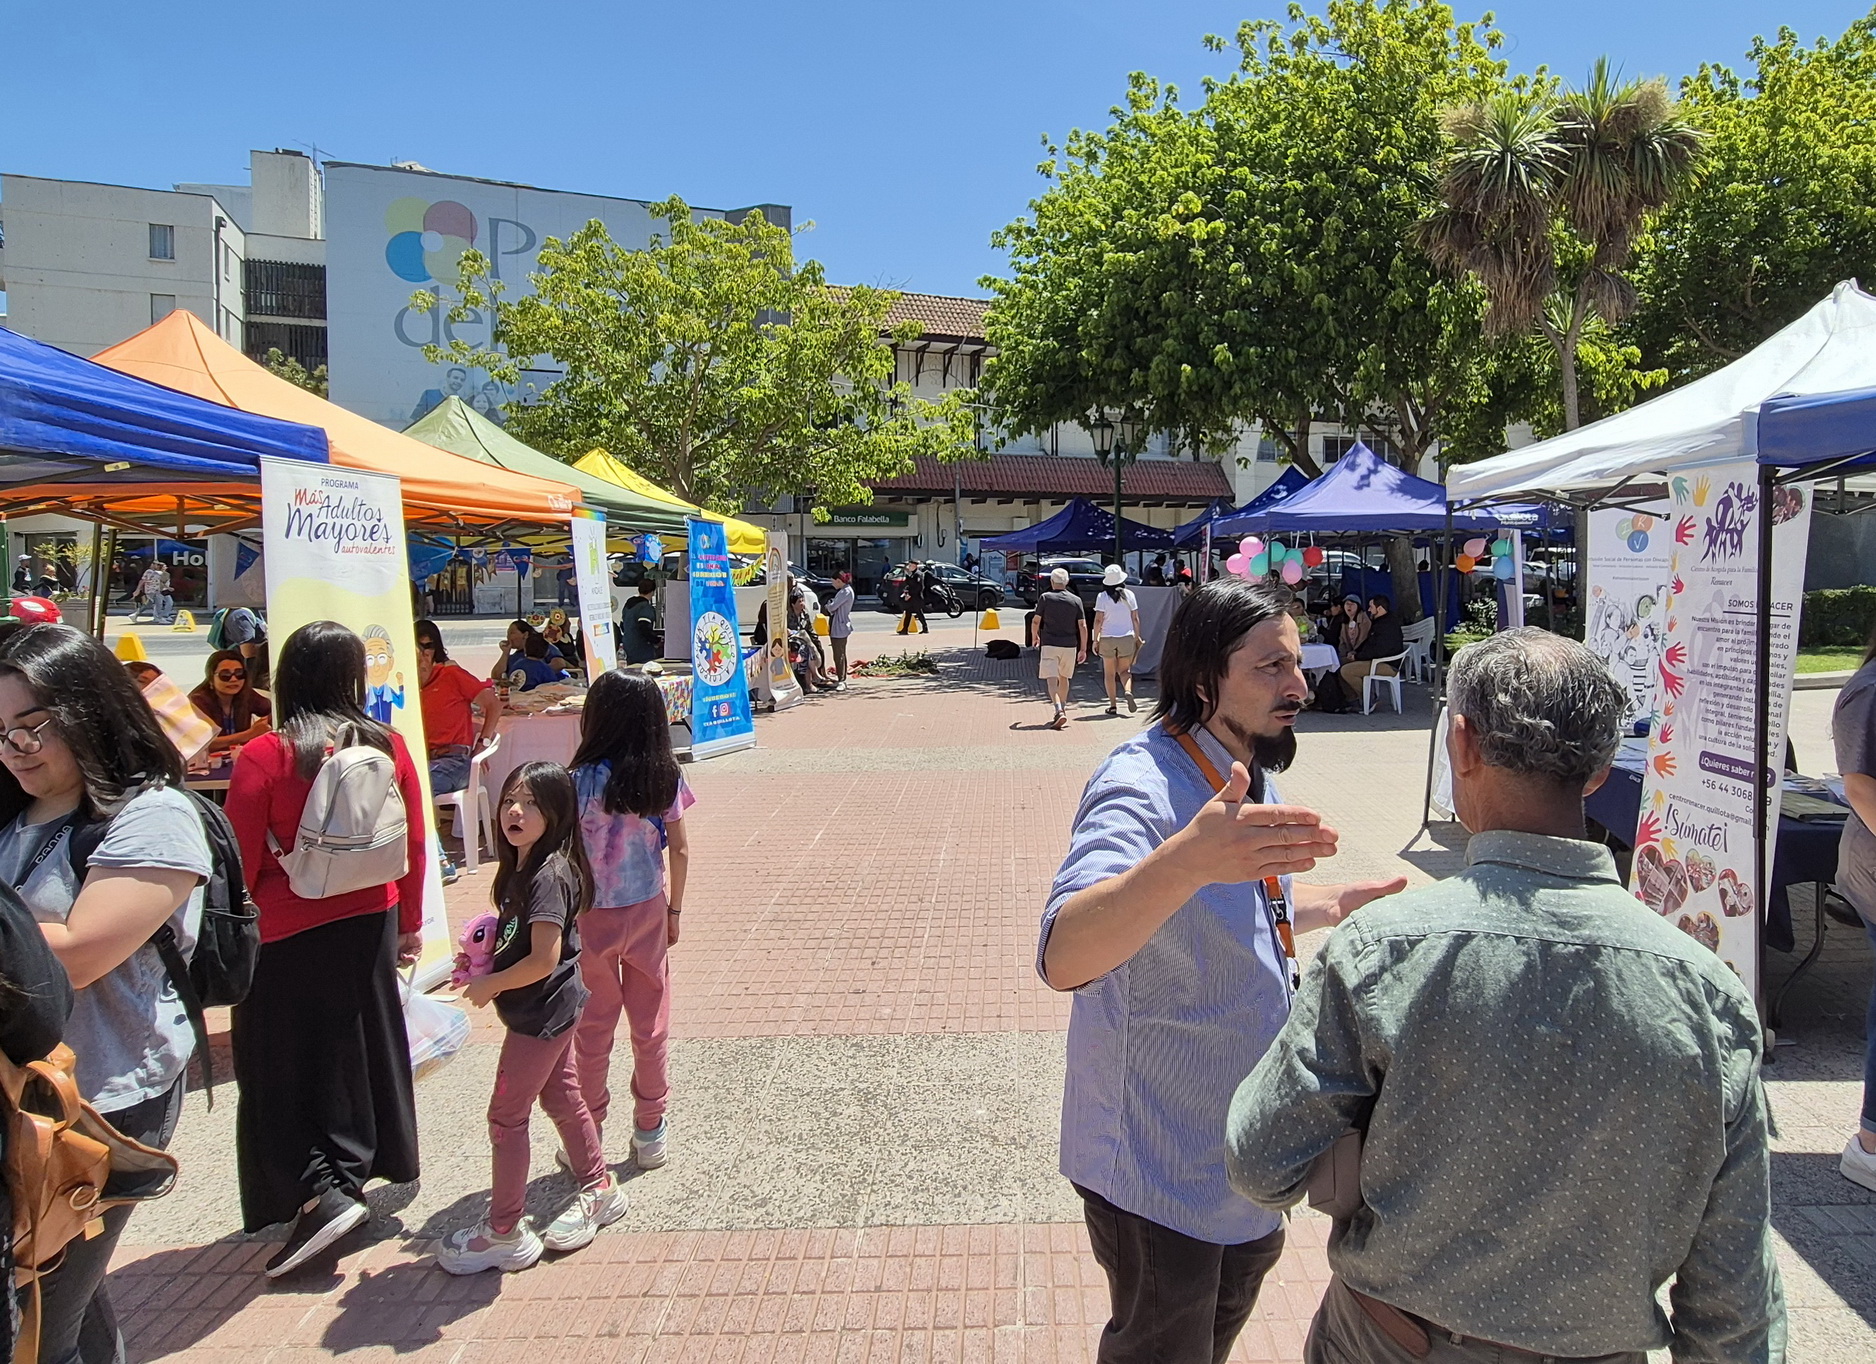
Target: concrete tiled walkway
(866,1083)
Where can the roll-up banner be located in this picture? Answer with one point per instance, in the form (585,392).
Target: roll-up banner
(1694,842)
(336,550)
(777,684)
(721,720)
(594,586)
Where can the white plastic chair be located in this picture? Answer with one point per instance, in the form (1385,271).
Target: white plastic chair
(1418,638)
(480,824)
(1390,681)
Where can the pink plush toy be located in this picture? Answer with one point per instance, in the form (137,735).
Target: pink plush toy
(478,949)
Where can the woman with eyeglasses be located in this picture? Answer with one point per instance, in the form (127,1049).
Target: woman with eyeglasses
(79,745)
(319,1044)
(227,699)
(450,695)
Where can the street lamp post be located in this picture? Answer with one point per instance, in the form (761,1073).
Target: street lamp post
(1101,427)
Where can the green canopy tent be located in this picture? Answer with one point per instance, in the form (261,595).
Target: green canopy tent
(455,426)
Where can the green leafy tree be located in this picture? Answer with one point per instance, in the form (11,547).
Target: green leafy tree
(1542,197)
(1787,202)
(709,362)
(278,362)
(1252,260)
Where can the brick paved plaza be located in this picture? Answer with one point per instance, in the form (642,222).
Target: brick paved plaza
(866,1079)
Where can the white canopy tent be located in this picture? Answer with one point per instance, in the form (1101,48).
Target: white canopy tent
(1709,421)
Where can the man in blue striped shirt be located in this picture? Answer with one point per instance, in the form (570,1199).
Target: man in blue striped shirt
(1161,923)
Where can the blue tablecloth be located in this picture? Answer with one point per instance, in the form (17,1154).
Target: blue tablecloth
(1807,849)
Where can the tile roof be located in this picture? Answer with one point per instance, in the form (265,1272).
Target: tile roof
(1056,476)
(941,315)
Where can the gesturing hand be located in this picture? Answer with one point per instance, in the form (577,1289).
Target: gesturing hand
(1326,906)
(1232,840)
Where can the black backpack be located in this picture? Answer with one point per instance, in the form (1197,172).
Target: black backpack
(227,944)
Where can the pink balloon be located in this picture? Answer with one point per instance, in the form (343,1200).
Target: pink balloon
(1237,563)
(1476,546)
(1248,546)
(1292,571)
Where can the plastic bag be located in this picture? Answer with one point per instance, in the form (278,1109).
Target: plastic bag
(437,1030)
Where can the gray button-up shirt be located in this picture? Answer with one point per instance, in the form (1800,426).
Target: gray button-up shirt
(1563,1110)
(1156,1046)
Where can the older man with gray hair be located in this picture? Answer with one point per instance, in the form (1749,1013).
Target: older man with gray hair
(1558,1091)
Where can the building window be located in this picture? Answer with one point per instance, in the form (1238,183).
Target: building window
(1334,447)
(302,343)
(1268,451)
(275,288)
(162,241)
(161,306)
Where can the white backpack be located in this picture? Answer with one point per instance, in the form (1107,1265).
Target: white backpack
(353,832)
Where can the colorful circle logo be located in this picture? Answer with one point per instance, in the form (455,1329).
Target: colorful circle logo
(427,239)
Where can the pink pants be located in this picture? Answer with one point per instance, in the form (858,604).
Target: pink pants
(531,1068)
(624,965)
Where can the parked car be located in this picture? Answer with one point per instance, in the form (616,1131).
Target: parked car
(963,587)
(1084,577)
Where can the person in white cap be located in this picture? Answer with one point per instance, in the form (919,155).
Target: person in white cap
(1117,625)
(1059,630)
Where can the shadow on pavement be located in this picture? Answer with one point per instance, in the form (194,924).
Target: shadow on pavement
(379,1310)
(1827,1220)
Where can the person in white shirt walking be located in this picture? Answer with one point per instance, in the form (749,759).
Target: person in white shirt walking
(1117,631)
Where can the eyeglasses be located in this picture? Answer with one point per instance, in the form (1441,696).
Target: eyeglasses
(429,646)
(24,741)
(231,677)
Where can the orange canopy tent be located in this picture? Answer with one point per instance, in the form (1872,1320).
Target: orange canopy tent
(442,491)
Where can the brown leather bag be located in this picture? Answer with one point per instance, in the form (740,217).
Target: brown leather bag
(65,1167)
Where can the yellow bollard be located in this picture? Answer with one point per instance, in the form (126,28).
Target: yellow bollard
(130,649)
(185,622)
(990,621)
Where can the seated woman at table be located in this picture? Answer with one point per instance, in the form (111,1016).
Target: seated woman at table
(227,700)
(537,664)
(514,649)
(449,695)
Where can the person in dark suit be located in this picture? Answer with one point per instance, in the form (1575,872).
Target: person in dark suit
(917,595)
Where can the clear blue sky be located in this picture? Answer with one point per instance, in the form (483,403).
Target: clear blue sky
(906,131)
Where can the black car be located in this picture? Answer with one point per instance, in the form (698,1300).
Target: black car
(960,588)
(1084,578)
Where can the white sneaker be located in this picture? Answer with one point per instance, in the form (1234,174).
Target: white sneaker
(590,1210)
(1858,1166)
(474,1249)
(648,1148)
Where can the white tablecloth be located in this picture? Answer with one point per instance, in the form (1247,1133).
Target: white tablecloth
(531,739)
(1319,658)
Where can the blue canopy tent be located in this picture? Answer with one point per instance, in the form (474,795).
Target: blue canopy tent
(85,441)
(1192,534)
(1079,526)
(1360,492)
(65,419)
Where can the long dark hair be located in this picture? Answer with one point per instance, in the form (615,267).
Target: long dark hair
(623,723)
(97,710)
(1206,628)
(552,789)
(427,628)
(319,695)
(207,700)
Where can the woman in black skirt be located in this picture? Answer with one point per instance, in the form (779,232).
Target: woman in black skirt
(319,1044)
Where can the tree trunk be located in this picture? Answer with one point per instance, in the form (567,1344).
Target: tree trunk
(1400,564)
(1299,445)
(1566,363)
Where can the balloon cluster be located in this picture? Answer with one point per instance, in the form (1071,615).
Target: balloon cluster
(1498,559)
(1254,559)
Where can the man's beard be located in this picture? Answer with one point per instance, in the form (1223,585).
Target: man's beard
(1271,752)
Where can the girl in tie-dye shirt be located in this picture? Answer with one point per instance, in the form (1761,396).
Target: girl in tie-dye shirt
(632,804)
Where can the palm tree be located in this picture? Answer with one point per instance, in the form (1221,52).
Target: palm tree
(1542,197)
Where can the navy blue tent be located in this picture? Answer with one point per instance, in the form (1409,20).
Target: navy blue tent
(1363,492)
(1192,534)
(66,420)
(1797,430)
(1081,525)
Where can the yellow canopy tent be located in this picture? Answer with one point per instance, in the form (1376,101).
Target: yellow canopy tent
(441,490)
(743,537)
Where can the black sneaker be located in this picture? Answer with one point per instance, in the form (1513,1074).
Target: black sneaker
(317,1230)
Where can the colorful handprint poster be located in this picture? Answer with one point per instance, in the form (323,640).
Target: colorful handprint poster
(1694,840)
(1628,578)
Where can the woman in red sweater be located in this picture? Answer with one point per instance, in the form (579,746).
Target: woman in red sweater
(319,1045)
